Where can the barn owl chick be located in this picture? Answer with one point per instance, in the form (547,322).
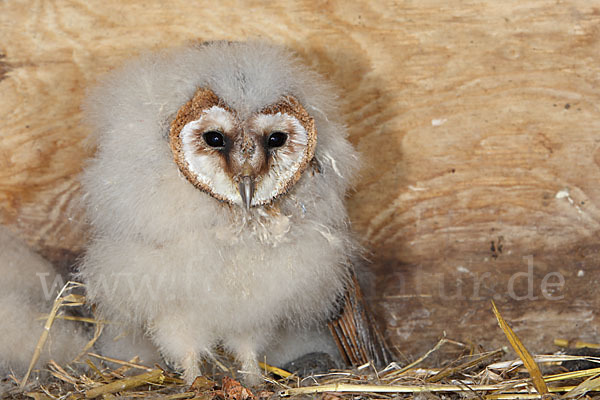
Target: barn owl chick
(28,286)
(216,197)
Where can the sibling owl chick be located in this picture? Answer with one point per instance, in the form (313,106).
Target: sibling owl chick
(27,291)
(216,199)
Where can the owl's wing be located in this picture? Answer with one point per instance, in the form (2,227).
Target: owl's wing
(355,332)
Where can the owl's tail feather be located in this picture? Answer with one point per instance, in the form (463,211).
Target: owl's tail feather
(355,332)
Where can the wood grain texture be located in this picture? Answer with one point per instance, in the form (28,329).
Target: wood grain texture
(478,122)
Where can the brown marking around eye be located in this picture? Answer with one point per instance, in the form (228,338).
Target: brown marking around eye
(222,154)
(288,148)
(200,144)
(191,111)
(289,105)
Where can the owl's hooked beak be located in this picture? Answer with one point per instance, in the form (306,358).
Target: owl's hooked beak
(246,188)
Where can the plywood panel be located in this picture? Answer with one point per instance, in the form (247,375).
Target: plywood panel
(478,124)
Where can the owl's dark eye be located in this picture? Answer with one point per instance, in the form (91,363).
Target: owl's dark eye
(276,139)
(214,138)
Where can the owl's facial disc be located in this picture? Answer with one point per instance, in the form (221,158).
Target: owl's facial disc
(247,162)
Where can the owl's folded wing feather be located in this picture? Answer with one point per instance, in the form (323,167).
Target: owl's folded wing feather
(355,333)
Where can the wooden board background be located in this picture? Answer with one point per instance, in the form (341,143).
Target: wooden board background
(478,121)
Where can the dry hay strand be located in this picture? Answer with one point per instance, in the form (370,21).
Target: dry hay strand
(472,374)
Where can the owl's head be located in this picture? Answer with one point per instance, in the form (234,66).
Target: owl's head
(242,158)
(237,122)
